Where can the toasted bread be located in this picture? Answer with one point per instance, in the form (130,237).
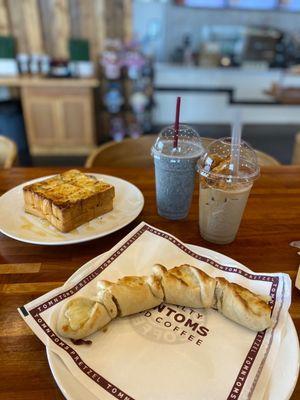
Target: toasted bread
(69,200)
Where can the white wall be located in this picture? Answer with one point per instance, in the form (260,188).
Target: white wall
(149,19)
(176,21)
(214,107)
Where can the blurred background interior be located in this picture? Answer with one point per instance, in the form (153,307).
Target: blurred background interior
(76,74)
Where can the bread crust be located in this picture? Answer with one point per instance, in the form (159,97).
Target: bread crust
(80,317)
(69,200)
(242,306)
(131,294)
(184,285)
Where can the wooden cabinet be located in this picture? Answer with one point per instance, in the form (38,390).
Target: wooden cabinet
(40,122)
(59,119)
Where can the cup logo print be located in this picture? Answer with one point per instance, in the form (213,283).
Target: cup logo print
(172,324)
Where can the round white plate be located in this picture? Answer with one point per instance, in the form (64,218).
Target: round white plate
(17,224)
(286,368)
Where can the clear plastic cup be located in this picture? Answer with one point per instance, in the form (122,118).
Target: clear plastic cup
(175,170)
(222,195)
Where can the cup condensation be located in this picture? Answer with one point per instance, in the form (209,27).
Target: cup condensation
(222,195)
(175,170)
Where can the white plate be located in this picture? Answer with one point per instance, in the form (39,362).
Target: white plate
(17,224)
(286,368)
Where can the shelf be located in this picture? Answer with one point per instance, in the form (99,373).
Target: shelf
(48,82)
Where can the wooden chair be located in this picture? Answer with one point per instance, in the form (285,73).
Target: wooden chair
(296,151)
(264,159)
(137,153)
(128,153)
(8,152)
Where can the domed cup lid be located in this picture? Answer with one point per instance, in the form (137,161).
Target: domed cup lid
(189,143)
(216,162)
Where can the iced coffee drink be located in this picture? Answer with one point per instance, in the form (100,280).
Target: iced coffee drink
(223,196)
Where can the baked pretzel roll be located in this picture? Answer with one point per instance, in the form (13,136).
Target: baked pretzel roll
(132,294)
(106,298)
(186,286)
(80,317)
(242,306)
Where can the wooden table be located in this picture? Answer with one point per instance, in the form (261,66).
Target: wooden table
(271,221)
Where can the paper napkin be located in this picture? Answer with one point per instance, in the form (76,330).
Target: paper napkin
(170,352)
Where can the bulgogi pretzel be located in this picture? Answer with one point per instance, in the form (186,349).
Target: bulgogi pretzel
(184,285)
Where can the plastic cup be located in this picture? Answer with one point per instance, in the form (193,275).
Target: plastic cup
(223,195)
(175,170)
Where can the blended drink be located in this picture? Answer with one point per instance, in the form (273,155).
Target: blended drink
(223,196)
(175,173)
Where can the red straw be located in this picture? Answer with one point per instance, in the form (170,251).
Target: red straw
(176,125)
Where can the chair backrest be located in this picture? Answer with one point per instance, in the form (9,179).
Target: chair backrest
(263,159)
(296,150)
(128,153)
(8,152)
(137,153)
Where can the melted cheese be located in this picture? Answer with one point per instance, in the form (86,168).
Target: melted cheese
(78,312)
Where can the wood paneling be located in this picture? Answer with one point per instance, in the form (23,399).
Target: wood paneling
(91,24)
(77,121)
(127,25)
(57,116)
(46,25)
(4,20)
(42,113)
(56,27)
(18,25)
(33,29)
(100,28)
(114,17)
(46,14)
(74,11)
(24,23)
(60,28)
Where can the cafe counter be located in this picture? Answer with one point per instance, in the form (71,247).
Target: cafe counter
(211,94)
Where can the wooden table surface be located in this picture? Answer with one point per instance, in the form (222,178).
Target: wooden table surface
(271,221)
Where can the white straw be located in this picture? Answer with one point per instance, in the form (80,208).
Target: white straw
(236,134)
